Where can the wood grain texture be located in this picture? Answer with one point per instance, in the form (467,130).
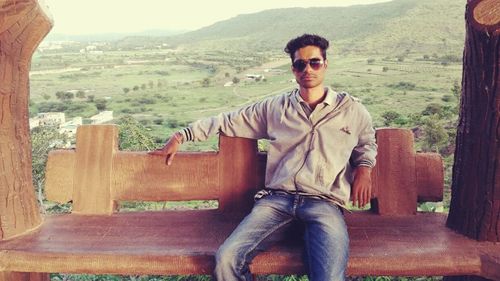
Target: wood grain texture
(23,276)
(184,242)
(231,175)
(394,175)
(485,15)
(23,24)
(429,169)
(139,176)
(59,174)
(475,198)
(239,174)
(95,147)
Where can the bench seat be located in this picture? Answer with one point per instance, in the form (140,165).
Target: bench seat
(184,242)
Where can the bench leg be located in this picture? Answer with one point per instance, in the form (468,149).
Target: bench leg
(23,276)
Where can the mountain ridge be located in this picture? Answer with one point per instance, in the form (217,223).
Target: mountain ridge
(428,26)
(390,27)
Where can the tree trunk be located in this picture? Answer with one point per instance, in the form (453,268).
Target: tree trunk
(23,24)
(475,200)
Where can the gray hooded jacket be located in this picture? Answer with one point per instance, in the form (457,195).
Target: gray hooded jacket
(310,151)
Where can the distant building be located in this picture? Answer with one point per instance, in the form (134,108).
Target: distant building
(34,123)
(274,70)
(54,119)
(255,77)
(69,128)
(102,117)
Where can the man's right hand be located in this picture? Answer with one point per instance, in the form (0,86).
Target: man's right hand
(169,149)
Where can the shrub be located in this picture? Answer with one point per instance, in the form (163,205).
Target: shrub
(403,85)
(146,100)
(435,135)
(173,123)
(390,116)
(447,98)
(433,109)
(100,104)
(52,107)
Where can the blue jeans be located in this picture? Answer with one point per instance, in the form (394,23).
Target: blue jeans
(326,242)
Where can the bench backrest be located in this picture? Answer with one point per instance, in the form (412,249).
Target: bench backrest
(96,175)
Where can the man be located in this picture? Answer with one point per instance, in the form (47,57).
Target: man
(320,143)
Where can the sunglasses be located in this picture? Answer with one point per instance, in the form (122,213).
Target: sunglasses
(300,65)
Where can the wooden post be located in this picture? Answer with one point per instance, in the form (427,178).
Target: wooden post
(240,165)
(475,198)
(96,146)
(23,24)
(396,154)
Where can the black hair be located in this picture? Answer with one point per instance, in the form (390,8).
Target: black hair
(304,41)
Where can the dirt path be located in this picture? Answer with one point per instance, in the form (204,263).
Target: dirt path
(247,102)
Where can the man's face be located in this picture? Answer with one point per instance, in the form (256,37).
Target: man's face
(309,77)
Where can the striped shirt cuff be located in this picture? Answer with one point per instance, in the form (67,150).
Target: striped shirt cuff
(187,133)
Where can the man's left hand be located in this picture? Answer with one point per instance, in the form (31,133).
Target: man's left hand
(362,186)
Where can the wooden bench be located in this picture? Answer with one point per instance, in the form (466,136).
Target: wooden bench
(390,239)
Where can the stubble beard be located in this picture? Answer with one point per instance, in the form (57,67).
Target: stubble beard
(309,84)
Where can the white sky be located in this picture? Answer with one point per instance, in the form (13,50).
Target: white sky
(102,16)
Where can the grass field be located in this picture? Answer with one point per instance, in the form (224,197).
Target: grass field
(172,89)
(166,90)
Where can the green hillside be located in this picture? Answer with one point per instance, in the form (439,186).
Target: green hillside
(385,28)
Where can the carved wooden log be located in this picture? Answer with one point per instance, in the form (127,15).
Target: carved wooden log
(23,24)
(475,204)
(475,199)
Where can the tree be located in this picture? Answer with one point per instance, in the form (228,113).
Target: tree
(43,140)
(80,94)
(90,98)
(68,96)
(101,104)
(433,109)
(133,135)
(435,135)
(59,95)
(390,116)
(65,96)
(236,80)
(126,90)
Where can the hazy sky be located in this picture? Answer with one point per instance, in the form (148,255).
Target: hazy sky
(102,16)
